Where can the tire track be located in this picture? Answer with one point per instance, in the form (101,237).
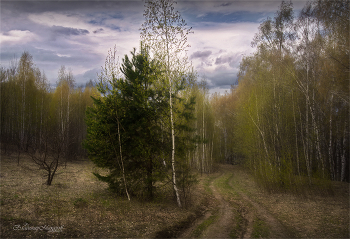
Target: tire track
(222,227)
(277,229)
(234,213)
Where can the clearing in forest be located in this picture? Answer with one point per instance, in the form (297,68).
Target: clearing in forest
(227,203)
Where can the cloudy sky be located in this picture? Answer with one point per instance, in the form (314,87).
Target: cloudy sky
(78,34)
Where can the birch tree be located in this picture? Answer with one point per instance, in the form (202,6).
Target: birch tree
(63,92)
(293,107)
(165,32)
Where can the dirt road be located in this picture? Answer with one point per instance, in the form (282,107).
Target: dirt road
(241,209)
(235,214)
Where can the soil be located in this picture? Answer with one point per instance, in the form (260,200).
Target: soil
(277,230)
(222,227)
(222,211)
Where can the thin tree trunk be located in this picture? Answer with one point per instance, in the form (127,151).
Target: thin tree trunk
(23,112)
(343,160)
(67,131)
(330,158)
(122,161)
(261,132)
(171,118)
(225,143)
(173,150)
(202,169)
(337,158)
(211,155)
(308,159)
(313,118)
(296,136)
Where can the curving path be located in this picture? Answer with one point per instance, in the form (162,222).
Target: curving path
(228,209)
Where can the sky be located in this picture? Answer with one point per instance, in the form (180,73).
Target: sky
(78,34)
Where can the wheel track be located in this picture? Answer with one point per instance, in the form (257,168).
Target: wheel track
(222,227)
(227,208)
(277,229)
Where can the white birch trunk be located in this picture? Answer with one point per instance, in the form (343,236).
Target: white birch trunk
(173,149)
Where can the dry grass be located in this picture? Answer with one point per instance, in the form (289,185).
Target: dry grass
(76,205)
(312,215)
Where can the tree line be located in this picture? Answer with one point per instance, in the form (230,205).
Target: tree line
(145,119)
(42,122)
(288,117)
(153,125)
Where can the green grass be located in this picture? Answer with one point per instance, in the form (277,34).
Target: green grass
(204,225)
(222,183)
(80,203)
(237,229)
(206,184)
(260,229)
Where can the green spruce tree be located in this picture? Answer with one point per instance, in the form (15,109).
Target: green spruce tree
(124,128)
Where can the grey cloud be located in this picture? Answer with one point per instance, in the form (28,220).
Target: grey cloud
(37,6)
(222,60)
(225,4)
(200,54)
(232,59)
(222,79)
(98,30)
(49,61)
(82,79)
(68,31)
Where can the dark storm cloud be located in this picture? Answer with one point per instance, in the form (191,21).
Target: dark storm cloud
(59,6)
(200,54)
(222,78)
(68,31)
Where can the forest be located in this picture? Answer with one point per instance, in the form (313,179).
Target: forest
(150,127)
(288,117)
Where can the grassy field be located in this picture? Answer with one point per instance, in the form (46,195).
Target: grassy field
(310,215)
(78,205)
